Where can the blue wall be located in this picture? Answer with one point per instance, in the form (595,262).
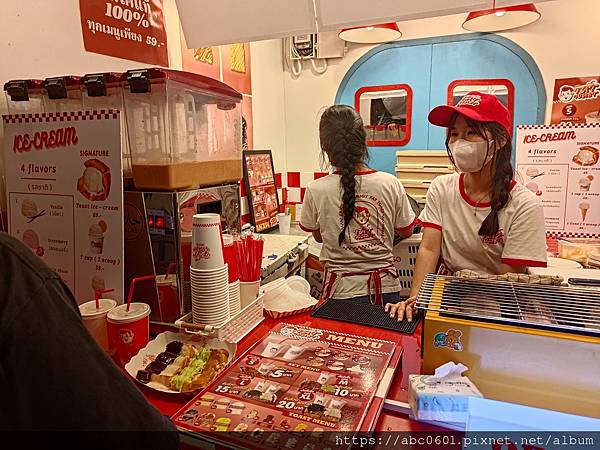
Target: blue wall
(428,66)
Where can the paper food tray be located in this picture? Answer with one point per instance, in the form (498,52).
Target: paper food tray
(282,314)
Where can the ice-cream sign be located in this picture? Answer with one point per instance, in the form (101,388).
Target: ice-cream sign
(560,165)
(65,195)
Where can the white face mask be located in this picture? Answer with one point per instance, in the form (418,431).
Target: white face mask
(470,156)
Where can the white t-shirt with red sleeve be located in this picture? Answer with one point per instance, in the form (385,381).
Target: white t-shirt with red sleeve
(381,209)
(521,238)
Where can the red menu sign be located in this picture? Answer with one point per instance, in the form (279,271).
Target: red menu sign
(128,29)
(576,100)
(297,379)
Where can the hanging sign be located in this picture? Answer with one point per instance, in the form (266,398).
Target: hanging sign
(65,195)
(128,29)
(560,164)
(576,100)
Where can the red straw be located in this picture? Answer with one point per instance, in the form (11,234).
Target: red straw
(132,287)
(99,294)
(171,266)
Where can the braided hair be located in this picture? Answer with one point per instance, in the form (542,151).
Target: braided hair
(502,169)
(343,139)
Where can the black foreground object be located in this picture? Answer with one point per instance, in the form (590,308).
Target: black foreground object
(364,314)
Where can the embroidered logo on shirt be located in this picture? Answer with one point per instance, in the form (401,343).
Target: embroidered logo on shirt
(470,100)
(497,238)
(366,229)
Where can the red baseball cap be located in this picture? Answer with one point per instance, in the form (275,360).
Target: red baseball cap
(475,105)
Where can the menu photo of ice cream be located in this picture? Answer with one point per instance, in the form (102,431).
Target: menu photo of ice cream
(94,183)
(96,236)
(585,183)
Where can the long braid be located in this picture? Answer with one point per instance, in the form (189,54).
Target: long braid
(502,176)
(343,139)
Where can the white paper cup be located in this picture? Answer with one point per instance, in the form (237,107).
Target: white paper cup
(207,242)
(592,117)
(272,349)
(248,292)
(234,298)
(285,222)
(293,352)
(95,319)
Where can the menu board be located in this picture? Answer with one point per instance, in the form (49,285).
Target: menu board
(576,100)
(261,189)
(297,379)
(65,195)
(559,163)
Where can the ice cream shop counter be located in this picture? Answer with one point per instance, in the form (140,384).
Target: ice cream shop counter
(304,372)
(300,373)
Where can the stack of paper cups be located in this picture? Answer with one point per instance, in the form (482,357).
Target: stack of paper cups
(207,242)
(210,296)
(234,298)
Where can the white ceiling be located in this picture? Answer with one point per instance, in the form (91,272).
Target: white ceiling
(208,22)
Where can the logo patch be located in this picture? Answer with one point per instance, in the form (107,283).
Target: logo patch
(450,339)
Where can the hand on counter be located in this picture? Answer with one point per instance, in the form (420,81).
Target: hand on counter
(400,308)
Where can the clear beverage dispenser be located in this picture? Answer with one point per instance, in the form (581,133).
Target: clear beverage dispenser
(105,91)
(61,94)
(184,130)
(24,96)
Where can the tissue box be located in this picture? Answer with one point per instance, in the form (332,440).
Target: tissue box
(441,400)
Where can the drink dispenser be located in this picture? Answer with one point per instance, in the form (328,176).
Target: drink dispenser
(184,130)
(105,91)
(24,96)
(61,94)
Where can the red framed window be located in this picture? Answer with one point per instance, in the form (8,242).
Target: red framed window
(386,112)
(502,88)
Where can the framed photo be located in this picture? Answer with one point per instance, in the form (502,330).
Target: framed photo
(261,189)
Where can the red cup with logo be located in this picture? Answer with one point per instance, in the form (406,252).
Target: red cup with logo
(128,331)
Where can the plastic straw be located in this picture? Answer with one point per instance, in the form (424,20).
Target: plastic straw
(99,294)
(132,287)
(171,266)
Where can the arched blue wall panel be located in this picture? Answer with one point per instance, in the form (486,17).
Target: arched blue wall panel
(429,66)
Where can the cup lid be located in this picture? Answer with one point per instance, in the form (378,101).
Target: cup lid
(170,279)
(121,315)
(88,309)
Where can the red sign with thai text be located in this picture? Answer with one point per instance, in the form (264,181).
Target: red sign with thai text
(128,29)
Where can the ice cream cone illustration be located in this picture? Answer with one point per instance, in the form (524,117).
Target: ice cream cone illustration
(584,207)
(98,283)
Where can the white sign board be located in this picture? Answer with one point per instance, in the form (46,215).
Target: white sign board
(65,195)
(560,164)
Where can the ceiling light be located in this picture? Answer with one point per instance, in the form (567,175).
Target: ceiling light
(498,19)
(372,34)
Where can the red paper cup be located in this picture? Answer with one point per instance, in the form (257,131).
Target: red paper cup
(167,297)
(186,254)
(128,331)
(230,258)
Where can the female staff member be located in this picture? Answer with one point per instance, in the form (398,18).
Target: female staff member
(355,213)
(480,218)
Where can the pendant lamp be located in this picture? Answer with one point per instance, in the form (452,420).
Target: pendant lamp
(503,18)
(372,34)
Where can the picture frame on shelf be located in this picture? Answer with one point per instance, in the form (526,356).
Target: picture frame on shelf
(261,189)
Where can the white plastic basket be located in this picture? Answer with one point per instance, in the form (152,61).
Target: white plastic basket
(234,330)
(405,257)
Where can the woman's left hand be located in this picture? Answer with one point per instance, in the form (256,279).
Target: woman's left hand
(399,309)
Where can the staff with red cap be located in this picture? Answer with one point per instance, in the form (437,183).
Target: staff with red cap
(479,218)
